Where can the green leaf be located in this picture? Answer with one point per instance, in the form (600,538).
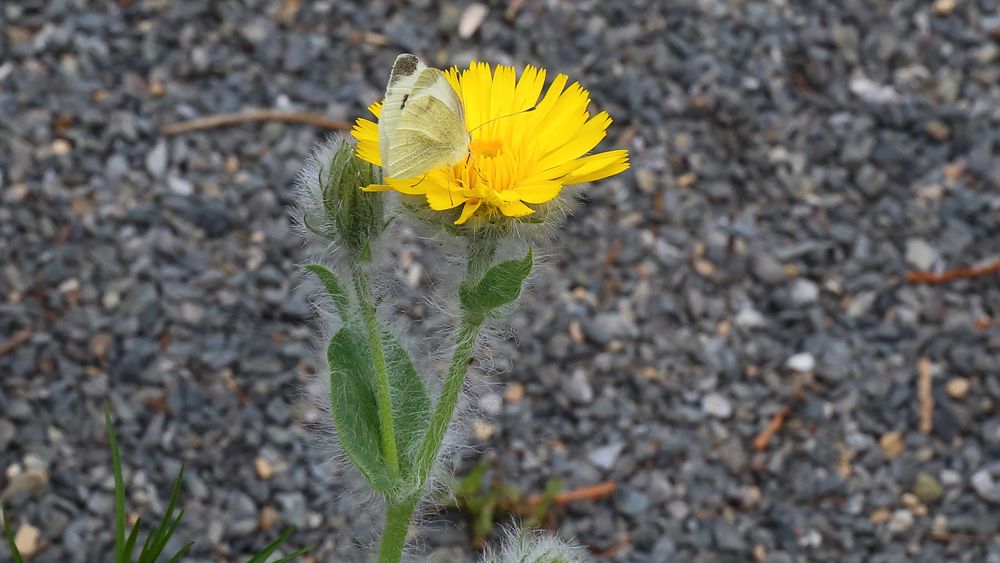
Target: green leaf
(158,537)
(333,287)
(10,539)
(132,537)
(116,466)
(411,406)
(501,285)
(295,554)
(262,555)
(355,409)
(181,553)
(355,412)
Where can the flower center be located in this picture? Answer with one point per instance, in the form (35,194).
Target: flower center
(486,147)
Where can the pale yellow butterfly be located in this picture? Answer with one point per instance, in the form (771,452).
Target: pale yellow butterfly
(422,124)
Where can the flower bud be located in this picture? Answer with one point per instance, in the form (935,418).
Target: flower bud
(333,204)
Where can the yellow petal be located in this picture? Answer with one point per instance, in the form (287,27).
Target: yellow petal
(515,209)
(366,132)
(439,200)
(467,211)
(580,142)
(539,193)
(376,188)
(597,166)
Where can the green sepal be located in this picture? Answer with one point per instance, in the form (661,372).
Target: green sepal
(355,408)
(501,285)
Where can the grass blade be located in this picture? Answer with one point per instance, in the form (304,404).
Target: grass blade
(263,554)
(291,556)
(160,535)
(116,465)
(132,537)
(10,540)
(180,553)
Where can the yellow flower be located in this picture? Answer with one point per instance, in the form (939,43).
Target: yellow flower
(517,160)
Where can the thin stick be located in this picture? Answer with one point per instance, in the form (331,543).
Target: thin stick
(253,116)
(761,440)
(955,274)
(12,343)
(925,395)
(512,9)
(590,492)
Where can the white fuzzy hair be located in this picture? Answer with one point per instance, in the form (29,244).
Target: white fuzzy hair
(526,546)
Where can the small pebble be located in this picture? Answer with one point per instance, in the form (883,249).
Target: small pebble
(901,521)
(892,445)
(605,457)
(264,469)
(927,488)
(957,387)
(920,254)
(803,362)
(716,405)
(26,539)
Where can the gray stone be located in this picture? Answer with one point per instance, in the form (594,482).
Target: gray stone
(156,160)
(804,292)
(605,457)
(716,405)
(985,485)
(241,514)
(920,254)
(577,388)
(633,502)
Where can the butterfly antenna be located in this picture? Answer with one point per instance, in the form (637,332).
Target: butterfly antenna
(422,178)
(532,108)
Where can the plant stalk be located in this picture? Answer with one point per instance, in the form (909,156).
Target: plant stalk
(480,253)
(397,520)
(397,524)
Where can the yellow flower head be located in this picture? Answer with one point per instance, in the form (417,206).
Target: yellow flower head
(519,157)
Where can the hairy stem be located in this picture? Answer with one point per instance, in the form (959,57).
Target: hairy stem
(397,520)
(382,394)
(429,448)
(397,524)
(480,257)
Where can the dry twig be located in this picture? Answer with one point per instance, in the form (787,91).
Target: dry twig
(590,492)
(12,343)
(761,440)
(955,274)
(512,9)
(925,395)
(253,116)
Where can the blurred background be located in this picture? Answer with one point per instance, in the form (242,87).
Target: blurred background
(725,333)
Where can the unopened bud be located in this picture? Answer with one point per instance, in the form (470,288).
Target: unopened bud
(336,208)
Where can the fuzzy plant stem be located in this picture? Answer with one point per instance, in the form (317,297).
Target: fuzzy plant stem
(397,523)
(397,520)
(382,394)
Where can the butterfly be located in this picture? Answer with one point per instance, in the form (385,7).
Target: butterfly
(422,124)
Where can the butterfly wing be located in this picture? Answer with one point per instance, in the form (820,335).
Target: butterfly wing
(422,125)
(402,78)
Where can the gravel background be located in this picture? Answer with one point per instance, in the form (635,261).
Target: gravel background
(792,160)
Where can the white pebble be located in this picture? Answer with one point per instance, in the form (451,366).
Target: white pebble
(803,362)
(717,405)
